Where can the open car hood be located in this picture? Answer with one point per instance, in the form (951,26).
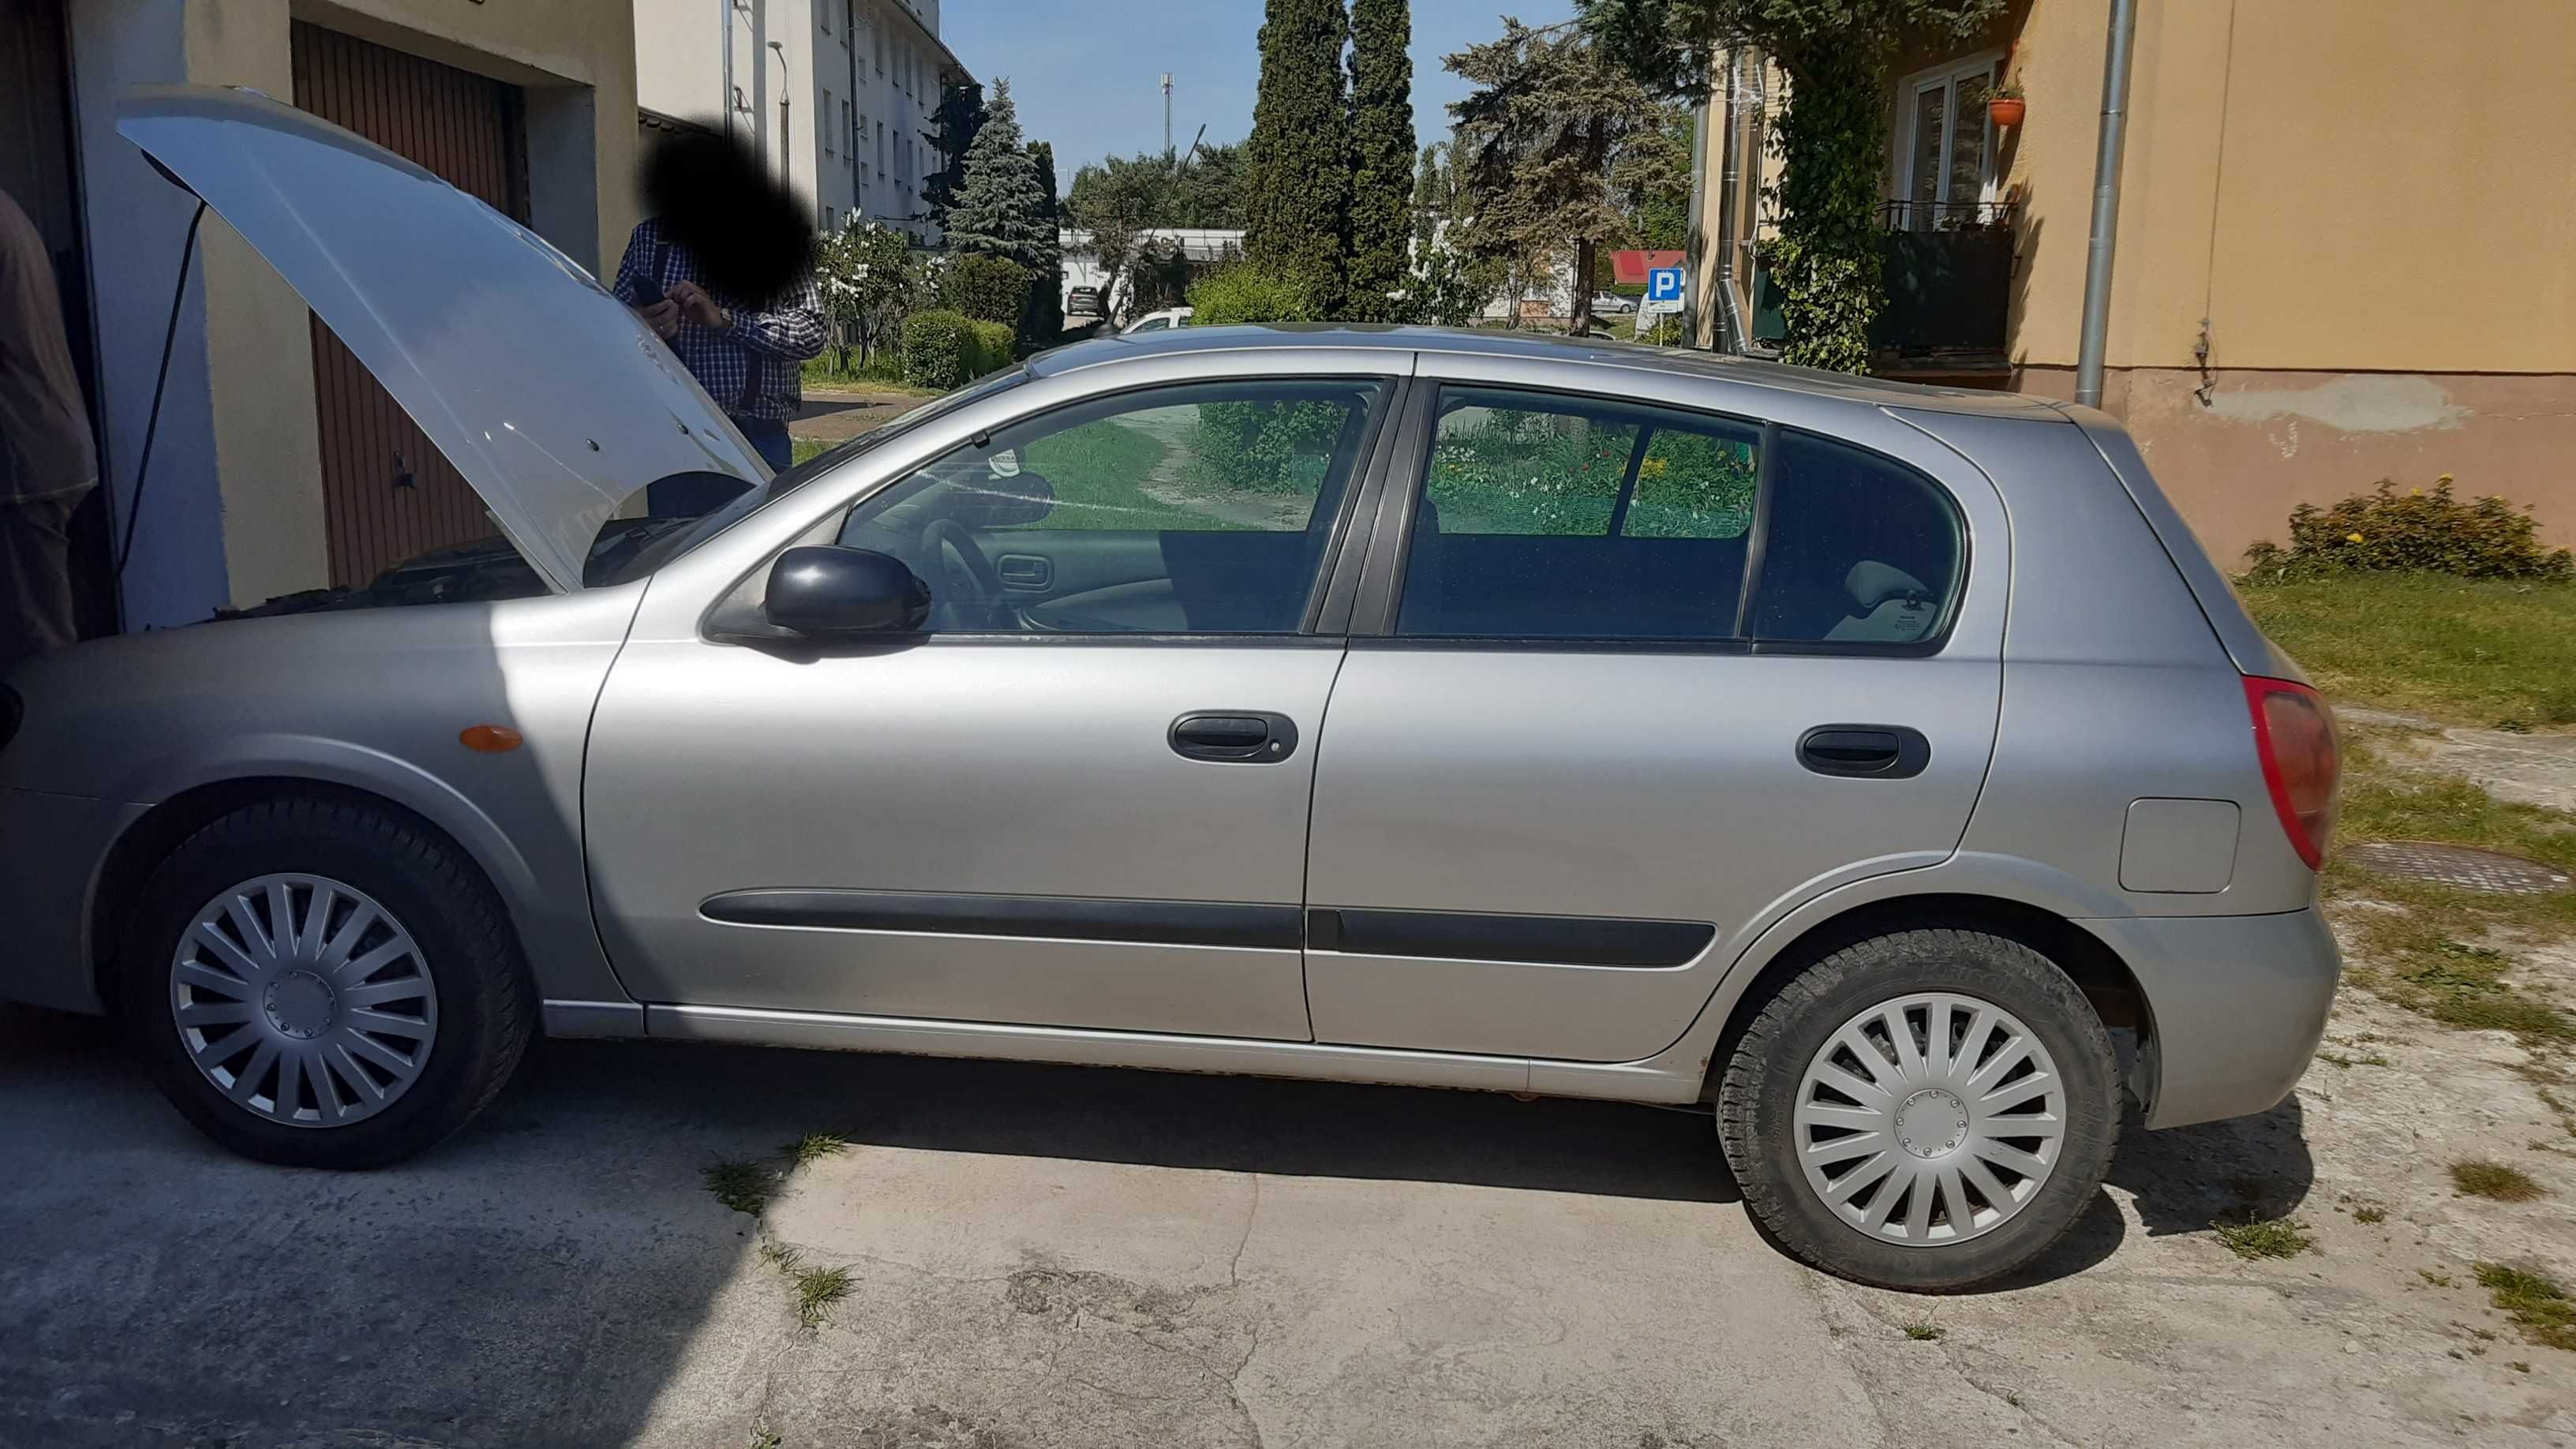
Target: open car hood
(551,398)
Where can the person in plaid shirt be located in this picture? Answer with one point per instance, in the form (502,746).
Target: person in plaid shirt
(747,355)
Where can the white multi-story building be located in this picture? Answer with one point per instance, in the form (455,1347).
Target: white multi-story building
(840,96)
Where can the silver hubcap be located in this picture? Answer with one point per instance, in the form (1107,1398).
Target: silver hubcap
(303,1001)
(1930,1119)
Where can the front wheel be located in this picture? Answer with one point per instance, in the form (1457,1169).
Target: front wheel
(1927,1110)
(324,984)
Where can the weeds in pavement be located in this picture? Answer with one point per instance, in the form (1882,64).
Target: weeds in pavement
(765,1438)
(2438,1280)
(2372,1213)
(814,1146)
(784,1257)
(2480,1178)
(1923,1332)
(2250,1237)
(2340,1060)
(2533,1300)
(743,1186)
(817,1289)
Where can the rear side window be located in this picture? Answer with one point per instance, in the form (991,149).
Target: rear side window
(1860,550)
(1553,517)
(1544,516)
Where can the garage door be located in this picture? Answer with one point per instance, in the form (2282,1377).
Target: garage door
(389,495)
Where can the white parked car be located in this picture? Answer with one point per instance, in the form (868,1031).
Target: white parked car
(1164,320)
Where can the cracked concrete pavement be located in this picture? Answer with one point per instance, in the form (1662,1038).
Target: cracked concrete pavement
(1051,1256)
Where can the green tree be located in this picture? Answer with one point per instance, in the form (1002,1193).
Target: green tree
(865,277)
(1002,209)
(1653,177)
(1832,136)
(1117,201)
(1045,323)
(1381,156)
(959,116)
(1207,188)
(1549,118)
(1298,199)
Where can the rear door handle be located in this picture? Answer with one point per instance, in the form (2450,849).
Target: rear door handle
(1865,751)
(1236,737)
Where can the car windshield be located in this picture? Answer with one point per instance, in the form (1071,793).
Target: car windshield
(677,542)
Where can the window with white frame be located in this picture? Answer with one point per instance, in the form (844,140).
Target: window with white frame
(827,120)
(1946,169)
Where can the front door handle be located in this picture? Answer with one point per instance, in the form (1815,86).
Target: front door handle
(1865,751)
(1235,736)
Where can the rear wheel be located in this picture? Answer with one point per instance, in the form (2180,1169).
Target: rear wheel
(324,984)
(1925,1110)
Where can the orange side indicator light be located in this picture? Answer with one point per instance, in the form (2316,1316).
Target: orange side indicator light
(491,739)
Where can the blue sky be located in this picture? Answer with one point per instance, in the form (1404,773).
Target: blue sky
(1086,75)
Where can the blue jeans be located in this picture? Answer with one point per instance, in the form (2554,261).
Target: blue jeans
(768,438)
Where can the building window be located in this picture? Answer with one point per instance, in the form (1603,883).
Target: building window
(879,35)
(827,120)
(1946,171)
(845,127)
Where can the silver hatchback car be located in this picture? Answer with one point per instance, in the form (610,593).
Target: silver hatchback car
(1886,767)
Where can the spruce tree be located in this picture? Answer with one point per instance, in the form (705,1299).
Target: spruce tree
(1297,203)
(1046,299)
(1381,155)
(1001,210)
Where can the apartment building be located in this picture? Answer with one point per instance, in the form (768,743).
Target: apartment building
(840,96)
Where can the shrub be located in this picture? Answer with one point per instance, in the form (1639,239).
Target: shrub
(995,345)
(935,348)
(985,288)
(2388,531)
(1246,293)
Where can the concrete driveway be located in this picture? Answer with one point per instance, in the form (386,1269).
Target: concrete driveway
(1041,1256)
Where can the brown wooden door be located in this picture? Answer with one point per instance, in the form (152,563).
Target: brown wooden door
(387,493)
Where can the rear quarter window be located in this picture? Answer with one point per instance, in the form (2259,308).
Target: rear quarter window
(1859,550)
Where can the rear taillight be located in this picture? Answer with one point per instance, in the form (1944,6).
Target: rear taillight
(2294,734)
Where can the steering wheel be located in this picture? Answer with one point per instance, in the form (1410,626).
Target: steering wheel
(950,538)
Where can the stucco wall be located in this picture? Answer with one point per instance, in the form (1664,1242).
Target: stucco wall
(2270,440)
(2363,185)
(2372,203)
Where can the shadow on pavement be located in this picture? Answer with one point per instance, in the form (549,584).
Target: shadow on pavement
(538,1278)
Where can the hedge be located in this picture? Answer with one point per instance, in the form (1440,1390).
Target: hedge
(986,288)
(944,349)
(1244,292)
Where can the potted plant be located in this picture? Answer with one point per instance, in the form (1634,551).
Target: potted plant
(2005,106)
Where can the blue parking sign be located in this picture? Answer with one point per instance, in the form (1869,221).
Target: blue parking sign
(1663,284)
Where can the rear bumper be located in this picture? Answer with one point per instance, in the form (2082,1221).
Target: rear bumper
(50,849)
(2238,1004)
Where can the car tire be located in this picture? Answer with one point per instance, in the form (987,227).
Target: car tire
(396,991)
(2005,1163)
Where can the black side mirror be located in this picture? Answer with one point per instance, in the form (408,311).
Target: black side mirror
(830,591)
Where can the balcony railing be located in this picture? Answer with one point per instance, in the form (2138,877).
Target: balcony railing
(1947,215)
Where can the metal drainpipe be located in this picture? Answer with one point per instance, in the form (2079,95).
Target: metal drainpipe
(1729,207)
(2106,204)
(725,8)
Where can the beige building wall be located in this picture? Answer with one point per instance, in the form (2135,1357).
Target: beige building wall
(2373,207)
(233,512)
(2372,204)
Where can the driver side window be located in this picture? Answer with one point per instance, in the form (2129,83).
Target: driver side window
(1201,508)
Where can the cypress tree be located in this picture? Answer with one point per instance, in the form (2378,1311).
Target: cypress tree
(1000,210)
(1381,155)
(1297,202)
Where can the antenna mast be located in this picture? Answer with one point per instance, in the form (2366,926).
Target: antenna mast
(1167,113)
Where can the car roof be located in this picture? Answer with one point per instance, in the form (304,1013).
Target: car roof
(1539,346)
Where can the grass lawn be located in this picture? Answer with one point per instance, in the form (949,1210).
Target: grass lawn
(819,372)
(812,447)
(2473,652)
(2465,651)
(1098,471)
